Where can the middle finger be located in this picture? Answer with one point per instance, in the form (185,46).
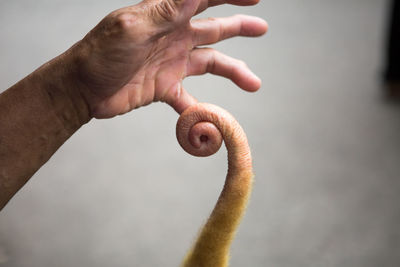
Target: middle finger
(212,30)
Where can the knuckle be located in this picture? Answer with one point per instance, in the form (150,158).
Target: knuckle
(123,21)
(211,64)
(117,23)
(218,26)
(167,10)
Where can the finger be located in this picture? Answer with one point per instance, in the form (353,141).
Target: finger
(207,60)
(204,4)
(179,99)
(213,30)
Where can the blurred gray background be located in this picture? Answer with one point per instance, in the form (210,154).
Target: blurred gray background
(326,147)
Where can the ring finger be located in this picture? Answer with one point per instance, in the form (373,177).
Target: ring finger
(208,60)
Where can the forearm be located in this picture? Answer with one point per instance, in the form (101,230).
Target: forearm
(37,115)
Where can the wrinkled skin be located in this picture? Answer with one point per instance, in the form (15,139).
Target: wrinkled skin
(140,54)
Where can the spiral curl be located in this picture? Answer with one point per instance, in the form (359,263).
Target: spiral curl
(200,131)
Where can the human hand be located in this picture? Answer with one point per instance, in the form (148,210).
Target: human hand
(140,54)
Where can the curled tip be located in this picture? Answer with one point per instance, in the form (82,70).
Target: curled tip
(196,135)
(201,129)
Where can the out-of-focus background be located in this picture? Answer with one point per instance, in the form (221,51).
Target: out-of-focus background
(325,141)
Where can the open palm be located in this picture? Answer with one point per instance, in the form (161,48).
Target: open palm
(141,54)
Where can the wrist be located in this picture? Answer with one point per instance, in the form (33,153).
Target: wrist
(59,82)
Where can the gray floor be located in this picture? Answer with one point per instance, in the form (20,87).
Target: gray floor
(326,149)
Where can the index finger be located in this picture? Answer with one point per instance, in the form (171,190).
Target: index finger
(204,4)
